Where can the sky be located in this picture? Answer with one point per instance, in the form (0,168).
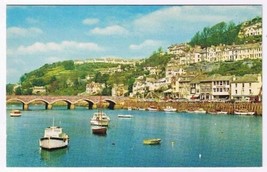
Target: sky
(38,35)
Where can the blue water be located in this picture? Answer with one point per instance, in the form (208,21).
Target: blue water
(188,140)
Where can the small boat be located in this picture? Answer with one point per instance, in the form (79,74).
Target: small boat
(200,110)
(152,108)
(54,138)
(125,116)
(243,112)
(221,112)
(15,113)
(99,130)
(142,109)
(152,141)
(129,108)
(100,119)
(169,109)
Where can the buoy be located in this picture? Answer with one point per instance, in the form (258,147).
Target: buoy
(199,156)
(172,144)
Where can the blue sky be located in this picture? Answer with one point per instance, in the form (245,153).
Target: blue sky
(37,35)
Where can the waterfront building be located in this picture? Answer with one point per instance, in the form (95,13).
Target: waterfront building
(220,86)
(246,87)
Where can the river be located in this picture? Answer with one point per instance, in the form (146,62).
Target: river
(188,140)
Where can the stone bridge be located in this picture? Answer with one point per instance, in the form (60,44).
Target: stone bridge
(71,101)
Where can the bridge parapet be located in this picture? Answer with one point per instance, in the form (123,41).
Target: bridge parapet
(70,100)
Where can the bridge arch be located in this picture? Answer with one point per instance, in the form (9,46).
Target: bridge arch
(70,105)
(89,101)
(39,100)
(111,103)
(18,100)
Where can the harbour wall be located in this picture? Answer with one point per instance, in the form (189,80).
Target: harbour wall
(207,106)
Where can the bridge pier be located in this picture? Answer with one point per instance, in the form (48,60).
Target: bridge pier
(25,106)
(71,106)
(48,106)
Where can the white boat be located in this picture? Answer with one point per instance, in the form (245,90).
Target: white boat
(152,108)
(169,109)
(100,118)
(15,113)
(142,109)
(129,108)
(54,138)
(243,112)
(125,116)
(221,112)
(200,110)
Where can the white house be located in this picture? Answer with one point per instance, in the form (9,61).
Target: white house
(246,86)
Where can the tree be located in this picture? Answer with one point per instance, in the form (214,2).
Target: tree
(9,89)
(68,65)
(18,91)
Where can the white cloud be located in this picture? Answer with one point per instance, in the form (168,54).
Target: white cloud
(147,44)
(40,47)
(110,30)
(23,32)
(190,16)
(90,21)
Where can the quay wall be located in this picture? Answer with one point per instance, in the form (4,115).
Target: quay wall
(208,106)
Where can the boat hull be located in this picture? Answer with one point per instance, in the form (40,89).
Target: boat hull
(51,143)
(244,113)
(99,130)
(15,115)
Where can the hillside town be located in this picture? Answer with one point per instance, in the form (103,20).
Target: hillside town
(182,85)
(181,81)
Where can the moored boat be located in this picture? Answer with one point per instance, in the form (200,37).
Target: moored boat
(100,118)
(152,108)
(54,138)
(125,116)
(243,112)
(169,109)
(152,141)
(222,112)
(15,113)
(200,110)
(99,130)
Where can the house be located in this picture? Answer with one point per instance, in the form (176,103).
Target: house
(38,90)
(246,87)
(94,88)
(221,87)
(119,90)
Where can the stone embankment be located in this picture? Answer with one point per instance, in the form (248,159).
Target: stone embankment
(207,106)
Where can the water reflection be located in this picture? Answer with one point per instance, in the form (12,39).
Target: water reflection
(52,158)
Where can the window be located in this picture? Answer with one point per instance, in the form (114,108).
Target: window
(250,92)
(235,84)
(220,89)
(235,91)
(243,85)
(249,84)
